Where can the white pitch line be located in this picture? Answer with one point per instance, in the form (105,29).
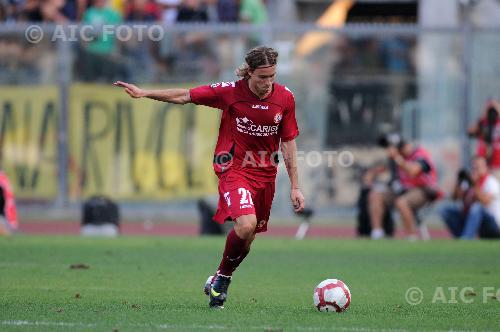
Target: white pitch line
(37,323)
(63,289)
(268,327)
(204,327)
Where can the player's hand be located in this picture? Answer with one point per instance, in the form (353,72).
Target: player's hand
(132,90)
(298,200)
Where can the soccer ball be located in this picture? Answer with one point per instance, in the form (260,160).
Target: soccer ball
(332,295)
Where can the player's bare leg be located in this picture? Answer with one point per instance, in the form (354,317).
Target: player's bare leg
(237,247)
(245,225)
(407,216)
(377,209)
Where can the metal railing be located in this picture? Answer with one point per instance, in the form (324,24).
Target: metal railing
(360,80)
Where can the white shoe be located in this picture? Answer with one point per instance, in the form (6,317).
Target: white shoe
(377,234)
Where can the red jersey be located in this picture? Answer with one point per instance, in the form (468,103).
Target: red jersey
(251,128)
(426,178)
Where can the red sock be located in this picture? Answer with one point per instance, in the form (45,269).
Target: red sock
(235,251)
(242,257)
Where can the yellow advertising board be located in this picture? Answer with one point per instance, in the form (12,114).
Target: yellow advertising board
(28,140)
(121,147)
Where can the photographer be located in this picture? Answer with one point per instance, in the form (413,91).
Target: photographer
(479,211)
(487,132)
(414,185)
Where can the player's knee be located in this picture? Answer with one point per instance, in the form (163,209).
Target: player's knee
(245,226)
(247,230)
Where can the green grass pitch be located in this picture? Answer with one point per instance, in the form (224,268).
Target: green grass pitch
(155,284)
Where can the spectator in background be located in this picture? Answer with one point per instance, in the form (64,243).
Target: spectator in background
(70,10)
(165,50)
(118,6)
(98,15)
(8,212)
(169,10)
(415,186)
(192,11)
(253,11)
(56,11)
(479,211)
(142,11)
(12,10)
(31,11)
(74,9)
(98,59)
(52,11)
(195,55)
(228,11)
(211,9)
(487,132)
(138,52)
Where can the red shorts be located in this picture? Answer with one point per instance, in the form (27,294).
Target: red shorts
(239,196)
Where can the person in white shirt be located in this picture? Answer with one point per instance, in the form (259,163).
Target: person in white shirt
(482,217)
(170,10)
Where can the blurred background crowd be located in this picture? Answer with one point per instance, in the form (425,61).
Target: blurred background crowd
(104,60)
(164,11)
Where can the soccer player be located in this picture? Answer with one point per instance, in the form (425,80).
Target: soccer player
(258,115)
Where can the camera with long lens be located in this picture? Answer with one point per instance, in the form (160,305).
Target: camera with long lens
(392,139)
(464,179)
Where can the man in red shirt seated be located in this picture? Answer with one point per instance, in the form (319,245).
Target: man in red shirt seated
(415,184)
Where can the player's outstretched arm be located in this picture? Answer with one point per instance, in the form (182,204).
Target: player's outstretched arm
(175,96)
(289,151)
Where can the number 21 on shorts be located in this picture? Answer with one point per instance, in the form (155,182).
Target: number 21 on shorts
(246,196)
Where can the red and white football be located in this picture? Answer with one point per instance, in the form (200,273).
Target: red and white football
(332,295)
